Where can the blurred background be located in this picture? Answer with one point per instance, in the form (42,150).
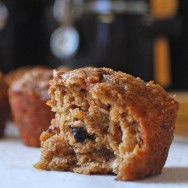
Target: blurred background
(146,38)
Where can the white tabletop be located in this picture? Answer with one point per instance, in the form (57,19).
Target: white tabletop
(16,169)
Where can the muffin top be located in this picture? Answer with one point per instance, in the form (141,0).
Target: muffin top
(120,88)
(34,82)
(16,74)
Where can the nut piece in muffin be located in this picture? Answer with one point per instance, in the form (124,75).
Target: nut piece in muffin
(107,122)
(4,106)
(27,97)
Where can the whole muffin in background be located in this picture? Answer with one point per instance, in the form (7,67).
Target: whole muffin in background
(16,74)
(4,106)
(27,98)
(107,122)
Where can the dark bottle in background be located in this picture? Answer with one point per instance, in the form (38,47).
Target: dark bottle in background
(120,38)
(179,50)
(119,34)
(25,38)
(113,34)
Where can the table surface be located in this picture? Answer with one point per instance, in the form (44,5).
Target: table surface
(16,168)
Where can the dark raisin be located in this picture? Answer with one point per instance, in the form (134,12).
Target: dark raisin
(108,107)
(80,134)
(101,76)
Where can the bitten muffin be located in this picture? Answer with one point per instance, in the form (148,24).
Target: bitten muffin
(27,97)
(107,122)
(4,107)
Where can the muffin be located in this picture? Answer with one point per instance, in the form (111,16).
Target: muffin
(64,68)
(4,107)
(16,74)
(107,122)
(27,98)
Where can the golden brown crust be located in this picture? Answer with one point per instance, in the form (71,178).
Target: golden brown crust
(64,68)
(28,96)
(129,124)
(16,74)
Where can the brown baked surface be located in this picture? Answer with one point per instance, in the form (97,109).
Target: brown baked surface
(4,107)
(16,74)
(107,122)
(28,96)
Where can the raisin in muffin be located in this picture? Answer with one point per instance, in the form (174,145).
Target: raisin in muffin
(27,97)
(107,122)
(4,107)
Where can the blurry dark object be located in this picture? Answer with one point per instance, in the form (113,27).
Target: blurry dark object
(25,39)
(179,51)
(120,34)
(113,34)
(3,15)
(162,10)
